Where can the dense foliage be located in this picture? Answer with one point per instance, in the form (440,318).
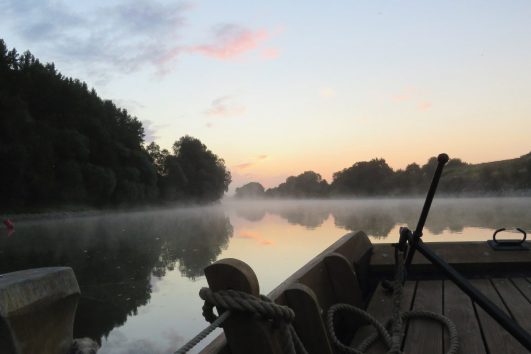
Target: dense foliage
(250,190)
(308,185)
(191,172)
(62,144)
(377,178)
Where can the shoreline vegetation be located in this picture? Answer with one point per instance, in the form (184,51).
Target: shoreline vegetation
(376,179)
(62,145)
(64,150)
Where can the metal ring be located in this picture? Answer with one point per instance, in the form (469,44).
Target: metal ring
(523,232)
(516,242)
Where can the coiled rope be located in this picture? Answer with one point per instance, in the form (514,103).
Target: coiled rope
(262,307)
(392,339)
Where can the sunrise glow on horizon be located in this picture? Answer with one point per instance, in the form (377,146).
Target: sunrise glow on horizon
(278,88)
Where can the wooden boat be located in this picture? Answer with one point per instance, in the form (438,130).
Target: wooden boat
(484,291)
(351,271)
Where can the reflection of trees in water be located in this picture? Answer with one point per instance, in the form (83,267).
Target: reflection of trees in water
(378,217)
(252,214)
(488,213)
(115,257)
(308,217)
(308,214)
(374,222)
(197,242)
(446,214)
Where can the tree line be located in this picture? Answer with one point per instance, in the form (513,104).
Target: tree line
(60,143)
(375,178)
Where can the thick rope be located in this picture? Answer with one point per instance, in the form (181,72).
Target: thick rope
(236,301)
(201,335)
(392,340)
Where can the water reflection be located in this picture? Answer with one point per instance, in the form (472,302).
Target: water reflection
(379,217)
(117,258)
(121,259)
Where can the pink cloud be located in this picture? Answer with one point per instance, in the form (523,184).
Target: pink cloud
(270,53)
(248,234)
(423,106)
(405,94)
(244,165)
(231,41)
(225,107)
(412,94)
(401,98)
(253,235)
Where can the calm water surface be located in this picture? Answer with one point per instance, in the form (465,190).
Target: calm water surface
(140,272)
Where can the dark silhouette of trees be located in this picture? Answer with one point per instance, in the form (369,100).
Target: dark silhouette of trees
(306,185)
(363,178)
(62,144)
(250,190)
(375,178)
(192,172)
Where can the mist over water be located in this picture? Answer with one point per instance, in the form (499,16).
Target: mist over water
(140,272)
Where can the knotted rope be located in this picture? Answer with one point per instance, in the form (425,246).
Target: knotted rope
(262,308)
(393,339)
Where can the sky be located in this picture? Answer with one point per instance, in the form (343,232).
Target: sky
(277,88)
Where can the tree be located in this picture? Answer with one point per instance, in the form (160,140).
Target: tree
(194,173)
(250,190)
(157,157)
(364,178)
(60,142)
(308,184)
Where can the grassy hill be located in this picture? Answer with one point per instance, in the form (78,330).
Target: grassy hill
(512,176)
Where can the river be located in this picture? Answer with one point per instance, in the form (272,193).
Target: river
(140,272)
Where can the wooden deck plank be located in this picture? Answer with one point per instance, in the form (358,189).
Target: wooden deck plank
(459,308)
(381,307)
(524,286)
(497,339)
(425,336)
(517,304)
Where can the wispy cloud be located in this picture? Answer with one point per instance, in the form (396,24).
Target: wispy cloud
(270,53)
(231,41)
(115,38)
(225,107)
(132,106)
(412,94)
(253,235)
(121,38)
(423,106)
(246,165)
(406,94)
(151,130)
